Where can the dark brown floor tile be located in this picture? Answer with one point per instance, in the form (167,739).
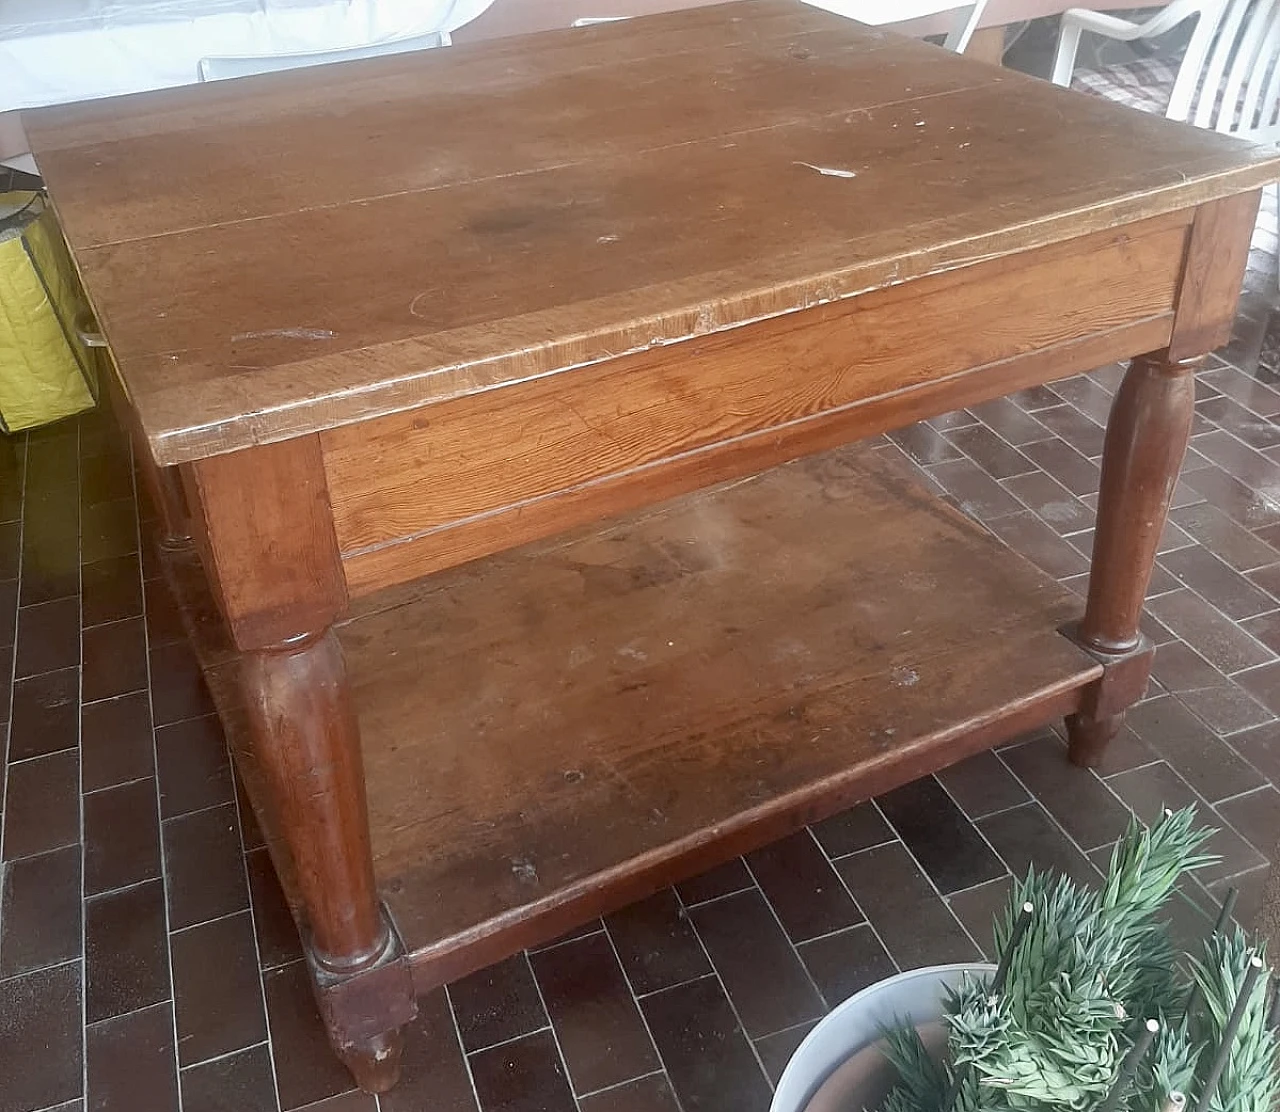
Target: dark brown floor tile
(205,866)
(1035,398)
(1244,506)
(115,741)
(43,811)
(1226,539)
(1178,667)
(115,660)
(1064,464)
(1126,751)
(1218,583)
(765,980)
(41,1060)
(164,620)
(48,637)
(1082,806)
(10,543)
(177,688)
(241,1082)
(111,590)
(1225,709)
(306,1068)
(278,942)
(1261,748)
(1256,816)
(1249,392)
(956,419)
(708,1059)
(978,908)
(1028,535)
(193,767)
(1061,510)
(976,492)
(1263,684)
(775,1050)
(40,912)
(1226,413)
(50,569)
(858,828)
(121,836)
(497,1004)
(1192,749)
(106,478)
(108,529)
(724,879)
(599,1029)
(846,962)
(8,615)
(215,989)
(982,784)
(46,714)
(1149,790)
(130,1063)
(647,1094)
(908,915)
(126,951)
(1027,836)
(1084,435)
(656,944)
(433,1073)
(53,461)
(995,456)
(804,890)
(925,445)
(1010,422)
(939,836)
(1087,396)
(522,1076)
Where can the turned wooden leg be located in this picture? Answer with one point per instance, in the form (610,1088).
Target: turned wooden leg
(307,746)
(1146,441)
(265,533)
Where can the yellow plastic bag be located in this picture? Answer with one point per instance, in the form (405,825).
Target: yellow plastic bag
(45,372)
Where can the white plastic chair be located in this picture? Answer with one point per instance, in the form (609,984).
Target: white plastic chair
(1229,78)
(245,65)
(877,12)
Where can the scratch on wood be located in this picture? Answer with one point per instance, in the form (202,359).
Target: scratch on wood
(285,334)
(828,171)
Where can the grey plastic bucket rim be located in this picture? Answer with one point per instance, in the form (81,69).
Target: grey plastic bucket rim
(915,996)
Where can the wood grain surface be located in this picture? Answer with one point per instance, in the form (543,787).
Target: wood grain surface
(284,254)
(409,474)
(549,732)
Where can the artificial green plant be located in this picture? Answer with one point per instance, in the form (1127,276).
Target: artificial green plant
(1085,973)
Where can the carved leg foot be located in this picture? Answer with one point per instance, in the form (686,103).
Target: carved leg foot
(375,1063)
(1087,739)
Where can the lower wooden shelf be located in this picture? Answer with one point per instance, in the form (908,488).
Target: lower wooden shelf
(553,732)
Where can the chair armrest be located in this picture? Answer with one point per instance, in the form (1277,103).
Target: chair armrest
(1077,20)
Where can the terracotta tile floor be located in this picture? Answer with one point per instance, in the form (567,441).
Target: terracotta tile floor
(147,962)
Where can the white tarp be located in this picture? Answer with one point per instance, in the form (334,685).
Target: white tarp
(53,51)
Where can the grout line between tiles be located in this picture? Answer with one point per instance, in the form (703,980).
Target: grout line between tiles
(555,1036)
(155,766)
(621,1084)
(644,1019)
(220,1057)
(462,1050)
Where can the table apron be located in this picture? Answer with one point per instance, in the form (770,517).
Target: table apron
(418,492)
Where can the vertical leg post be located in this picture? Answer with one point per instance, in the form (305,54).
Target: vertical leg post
(1146,441)
(265,532)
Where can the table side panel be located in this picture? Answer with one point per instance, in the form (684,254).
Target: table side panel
(413,493)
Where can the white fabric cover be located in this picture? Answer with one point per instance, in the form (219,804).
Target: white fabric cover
(52,51)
